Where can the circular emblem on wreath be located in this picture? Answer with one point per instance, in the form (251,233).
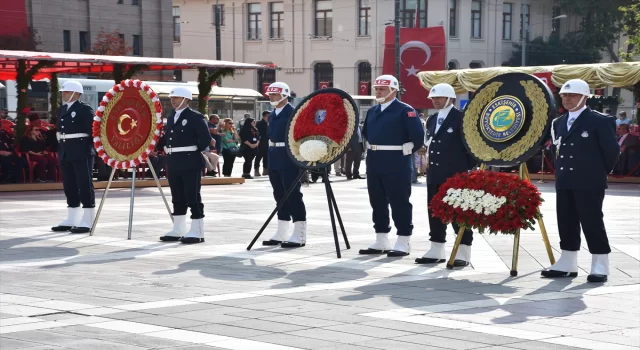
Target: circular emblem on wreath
(502,118)
(321,128)
(508,119)
(127,124)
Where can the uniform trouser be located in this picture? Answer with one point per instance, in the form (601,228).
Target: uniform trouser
(577,208)
(281,181)
(395,190)
(77,182)
(185,192)
(354,157)
(263,156)
(338,165)
(437,229)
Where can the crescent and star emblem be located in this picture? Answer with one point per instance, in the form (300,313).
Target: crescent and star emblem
(121,120)
(419,45)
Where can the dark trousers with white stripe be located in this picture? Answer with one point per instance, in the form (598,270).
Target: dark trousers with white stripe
(582,208)
(185,192)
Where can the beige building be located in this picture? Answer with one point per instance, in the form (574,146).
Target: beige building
(342,41)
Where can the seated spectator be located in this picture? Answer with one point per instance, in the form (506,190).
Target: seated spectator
(629,150)
(214,129)
(34,144)
(211,159)
(50,135)
(11,166)
(230,148)
(623,119)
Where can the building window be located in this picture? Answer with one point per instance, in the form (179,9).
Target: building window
(364,78)
(323,75)
(120,1)
(476,19)
(84,42)
(254,31)
(221,11)
(324,17)
(408,11)
(364,18)
(136,46)
(555,24)
(66,38)
(277,20)
(453,23)
(265,78)
(176,24)
(134,2)
(524,19)
(507,10)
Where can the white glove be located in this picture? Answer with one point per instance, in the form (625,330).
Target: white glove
(407,148)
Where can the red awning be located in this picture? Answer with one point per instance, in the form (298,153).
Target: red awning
(70,63)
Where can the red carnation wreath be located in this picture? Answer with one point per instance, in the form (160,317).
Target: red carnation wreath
(321,128)
(490,200)
(127,124)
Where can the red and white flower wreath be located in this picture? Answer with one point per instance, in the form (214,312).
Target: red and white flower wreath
(97,120)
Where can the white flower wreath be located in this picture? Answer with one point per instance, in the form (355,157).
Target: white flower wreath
(313,150)
(476,200)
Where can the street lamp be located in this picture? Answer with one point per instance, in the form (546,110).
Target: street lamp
(525,34)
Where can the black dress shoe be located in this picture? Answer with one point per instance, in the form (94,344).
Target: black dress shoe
(286,244)
(396,253)
(429,261)
(61,228)
(80,229)
(370,251)
(597,278)
(359,177)
(557,274)
(169,238)
(191,240)
(460,263)
(271,242)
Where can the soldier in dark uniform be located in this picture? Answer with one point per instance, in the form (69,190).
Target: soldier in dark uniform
(393,132)
(186,136)
(76,154)
(447,157)
(283,172)
(586,151)
(263,148)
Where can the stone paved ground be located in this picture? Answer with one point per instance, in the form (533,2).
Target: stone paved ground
(61,291)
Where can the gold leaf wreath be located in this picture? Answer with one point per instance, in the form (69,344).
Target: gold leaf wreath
(106,144)
(333,149)
(476,143)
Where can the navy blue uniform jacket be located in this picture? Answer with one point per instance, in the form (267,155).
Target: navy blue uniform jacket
(77,119)
(396,125)
(190,130)
(447,154)
(588,152)
(278,157)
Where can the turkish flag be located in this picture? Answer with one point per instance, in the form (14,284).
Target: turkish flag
(265,86)
(325,84)
(363,90)
(422,49)
(546,78)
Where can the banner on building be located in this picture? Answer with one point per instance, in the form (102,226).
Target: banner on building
(421,49)
(363,90)
(325,84)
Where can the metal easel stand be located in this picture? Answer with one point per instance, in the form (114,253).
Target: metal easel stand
(524,175)
(331,200)
(132,198)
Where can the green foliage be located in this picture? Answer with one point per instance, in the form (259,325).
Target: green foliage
(204,85)
(23,78)
(570,49)
(631,26)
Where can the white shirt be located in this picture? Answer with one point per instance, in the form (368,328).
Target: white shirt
(385,105)
(573,116)
(178,111)
(442,115)
(70,104)
(278,110)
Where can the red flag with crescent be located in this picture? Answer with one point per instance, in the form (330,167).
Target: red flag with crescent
(421,49)
(265,86)
(363,90)
(324,84)
(546,78)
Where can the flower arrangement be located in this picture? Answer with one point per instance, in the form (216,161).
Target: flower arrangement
(313,150)
(487,200)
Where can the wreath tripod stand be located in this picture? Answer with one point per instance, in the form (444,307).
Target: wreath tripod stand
(523,174)
(331,200)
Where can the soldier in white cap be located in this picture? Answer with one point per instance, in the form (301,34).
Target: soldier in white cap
(447,157)
(586,151)
(76,154)
(186,136)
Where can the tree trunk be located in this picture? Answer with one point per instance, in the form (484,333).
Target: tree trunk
(22,86)
(616,90)
(54,95)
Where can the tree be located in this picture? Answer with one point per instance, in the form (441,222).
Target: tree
(26,40)
(205,80)
(555,50)
(23,78)
(631,23)
(112,44)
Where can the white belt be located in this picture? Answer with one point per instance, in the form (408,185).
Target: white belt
(276,144)
(61,136)
(181,149)
(384,148)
